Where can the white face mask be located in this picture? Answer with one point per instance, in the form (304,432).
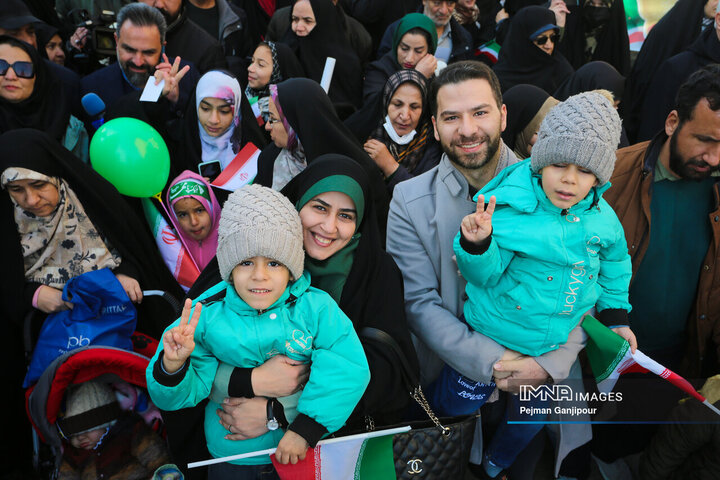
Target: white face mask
(404,140)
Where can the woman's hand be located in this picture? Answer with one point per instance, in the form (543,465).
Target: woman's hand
(501,15)
(382,156)
(477,226)
(427,66)
(131,287)
(49,300)
(560,9)
(172,76)
(628,335)
(179,341)
(280,376)
(291,449)
(243,417)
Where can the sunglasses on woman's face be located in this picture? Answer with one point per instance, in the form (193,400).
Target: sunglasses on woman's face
(542,40)
(21,69)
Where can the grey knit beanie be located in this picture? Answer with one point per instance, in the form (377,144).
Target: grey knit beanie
(584,130)
(89,406)
(259,221)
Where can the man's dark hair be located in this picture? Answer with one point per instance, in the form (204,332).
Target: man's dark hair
(704,83)
(142,15)
(460,72)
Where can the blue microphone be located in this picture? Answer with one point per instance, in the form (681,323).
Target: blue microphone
(95,108)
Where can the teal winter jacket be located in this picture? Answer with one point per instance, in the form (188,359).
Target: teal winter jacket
(544,267)
(305,324)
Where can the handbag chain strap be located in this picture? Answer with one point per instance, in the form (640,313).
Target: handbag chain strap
(419,397)
(411,381)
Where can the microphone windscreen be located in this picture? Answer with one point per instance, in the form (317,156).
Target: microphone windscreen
(92,104)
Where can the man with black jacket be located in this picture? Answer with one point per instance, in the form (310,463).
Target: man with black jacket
(185,39)
(224,21)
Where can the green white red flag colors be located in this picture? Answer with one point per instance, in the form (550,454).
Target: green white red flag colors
(610,356)
(365,456)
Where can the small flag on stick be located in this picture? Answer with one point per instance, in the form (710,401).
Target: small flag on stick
(610,356)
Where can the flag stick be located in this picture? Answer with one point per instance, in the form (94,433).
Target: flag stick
(711,407)
(270,451)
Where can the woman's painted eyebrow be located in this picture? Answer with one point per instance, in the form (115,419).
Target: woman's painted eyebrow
(208,104)
(325,204)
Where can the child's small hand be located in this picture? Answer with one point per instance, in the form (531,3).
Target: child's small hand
(291,449)
(628,335)
(477,226)
(179,342)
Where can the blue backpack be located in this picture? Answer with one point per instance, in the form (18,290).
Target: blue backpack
(102,314)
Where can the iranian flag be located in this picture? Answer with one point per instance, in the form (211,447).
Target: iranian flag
(366,456)
(256,110)
(490,50)
(173,252)
(241,171)
(610,356)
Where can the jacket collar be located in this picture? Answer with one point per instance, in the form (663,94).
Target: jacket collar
(227,18)
(652,154)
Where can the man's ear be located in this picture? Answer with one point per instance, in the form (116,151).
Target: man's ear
(435,132)
(503,118)
(671,123)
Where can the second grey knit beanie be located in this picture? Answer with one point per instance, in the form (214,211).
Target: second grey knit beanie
(584,130)
(259,221)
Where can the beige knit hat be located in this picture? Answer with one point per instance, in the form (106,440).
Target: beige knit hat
(259,221)
(89,406)
(584,130)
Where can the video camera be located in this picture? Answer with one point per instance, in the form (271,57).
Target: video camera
(101,31)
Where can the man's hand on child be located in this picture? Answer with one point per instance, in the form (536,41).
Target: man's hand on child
(628,335)
(477,226)
(280,376)
(291,449)
(526,369)
(507,355)
(179,342)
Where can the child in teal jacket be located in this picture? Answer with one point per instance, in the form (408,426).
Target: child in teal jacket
(544,252)
(269,309)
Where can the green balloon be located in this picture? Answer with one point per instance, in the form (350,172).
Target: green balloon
(132,156)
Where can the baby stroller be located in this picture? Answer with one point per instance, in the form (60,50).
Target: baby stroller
(124,369)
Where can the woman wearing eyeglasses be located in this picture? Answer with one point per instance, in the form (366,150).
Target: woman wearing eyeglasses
(529,54)
(31,97)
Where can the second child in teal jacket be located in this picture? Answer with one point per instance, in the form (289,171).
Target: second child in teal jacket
(545,266)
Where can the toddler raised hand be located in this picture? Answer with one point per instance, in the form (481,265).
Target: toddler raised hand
(179,342)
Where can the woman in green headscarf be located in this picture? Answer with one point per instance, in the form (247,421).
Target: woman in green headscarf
(414,44)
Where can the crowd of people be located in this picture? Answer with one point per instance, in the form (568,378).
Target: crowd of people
(471,206)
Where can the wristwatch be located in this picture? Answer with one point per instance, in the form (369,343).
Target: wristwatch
(272,423)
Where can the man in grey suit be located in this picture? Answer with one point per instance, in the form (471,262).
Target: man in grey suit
(425,215)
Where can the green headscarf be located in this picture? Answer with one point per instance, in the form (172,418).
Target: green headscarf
(331,274)
(415,20)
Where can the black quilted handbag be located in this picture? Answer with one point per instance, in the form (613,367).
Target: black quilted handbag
(438,448)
